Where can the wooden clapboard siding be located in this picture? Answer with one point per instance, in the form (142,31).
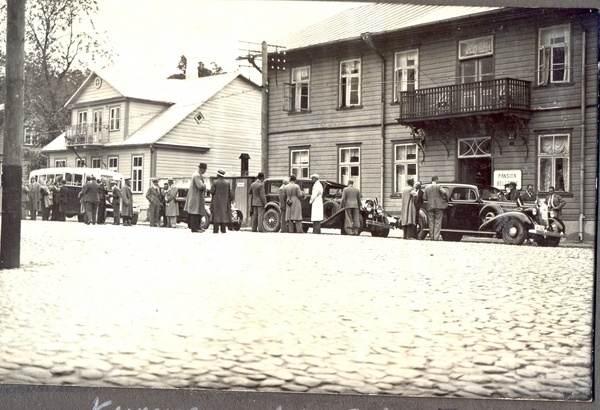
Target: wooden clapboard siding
(91,94)
(139,114)
(177,163)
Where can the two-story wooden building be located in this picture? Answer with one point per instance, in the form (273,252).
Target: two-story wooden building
(384,92)
(161,128)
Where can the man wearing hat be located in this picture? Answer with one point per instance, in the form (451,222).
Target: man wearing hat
(258,200)
(115,194)
(194,201)
(153,197)
(171,208)
(282,205)
(90,197)
(316,200)
(222,196)
(512,194)
(127,202)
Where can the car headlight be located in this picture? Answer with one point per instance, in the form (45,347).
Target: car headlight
(534,211)
(552,214)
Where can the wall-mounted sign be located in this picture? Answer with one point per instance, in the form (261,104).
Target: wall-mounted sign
(503,177)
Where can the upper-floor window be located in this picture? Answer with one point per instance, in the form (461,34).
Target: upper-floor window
(113,164)
(476,59)
(30,137)
(300,162)
(115,118)
(297,93)
(60,163)
(406,77)
(553,162)
(96,163)
(553,55)
(80,163)
(349,165)
(137,173)
(405,165)
(349,83)
(82,117)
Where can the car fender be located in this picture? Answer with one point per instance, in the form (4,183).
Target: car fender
(558,222)
(497,221)
(490,209)
(273,205)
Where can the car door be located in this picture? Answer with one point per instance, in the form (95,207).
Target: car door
(463,209)
(306,187)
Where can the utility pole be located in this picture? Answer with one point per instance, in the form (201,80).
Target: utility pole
(12,171)
(264,113)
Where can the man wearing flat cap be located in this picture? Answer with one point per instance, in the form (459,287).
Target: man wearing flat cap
(512,193)
(222,196)
(172,208)
(194,201)
(316,200)
(154,201)
(258,200)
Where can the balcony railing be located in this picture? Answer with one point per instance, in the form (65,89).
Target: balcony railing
(86,134)
(506,94)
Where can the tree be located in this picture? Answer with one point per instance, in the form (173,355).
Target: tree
(182,66)
(205,72)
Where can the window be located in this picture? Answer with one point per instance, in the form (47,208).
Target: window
(58,163)
(350,165)
(96,163)
(349,83)
(476,64)
(553,162)
(297,92)
(406,77)
(115,118)
(553,55)
(405,165)
(82,123)
(475,147)
(137,173)
(80,163)
(113,164)
(199,118)
(299,162)
(29,137)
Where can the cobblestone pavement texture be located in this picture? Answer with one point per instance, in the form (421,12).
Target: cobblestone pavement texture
(155,307)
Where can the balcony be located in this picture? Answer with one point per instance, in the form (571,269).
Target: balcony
(501,96)
(86,135)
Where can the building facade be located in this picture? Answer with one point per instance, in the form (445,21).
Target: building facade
(468,94)
(161,129)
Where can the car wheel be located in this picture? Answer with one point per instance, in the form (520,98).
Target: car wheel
(80,217)
(330,208)
(380,232)
(548,242)
(513,232)
(421,224)
(451,236)
(272,220)
(205,222)
(488,213)
(305,228)
(134,220)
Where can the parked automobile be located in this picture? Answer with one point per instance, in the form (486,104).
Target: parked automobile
(468,213)
(373,218)
(237,217)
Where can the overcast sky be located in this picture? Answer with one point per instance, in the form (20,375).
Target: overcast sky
(153,34)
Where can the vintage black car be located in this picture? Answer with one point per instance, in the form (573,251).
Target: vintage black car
(237,217)
(373,218)
(477,210)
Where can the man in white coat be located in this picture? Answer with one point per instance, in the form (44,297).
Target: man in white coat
(316,200)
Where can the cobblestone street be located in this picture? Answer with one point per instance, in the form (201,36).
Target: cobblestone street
(151,307)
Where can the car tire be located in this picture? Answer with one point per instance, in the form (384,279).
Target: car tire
(272,220)
(421,224)
(330,208)
(488,213)
(134,220)
(80,217)
(205,224)
(451,236)
(380,232)
(550,242)
(513,232)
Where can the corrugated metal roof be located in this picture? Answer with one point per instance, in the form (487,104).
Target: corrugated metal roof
(374,18)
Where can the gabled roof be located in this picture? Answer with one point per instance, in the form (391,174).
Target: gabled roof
(376,18)
(184,97)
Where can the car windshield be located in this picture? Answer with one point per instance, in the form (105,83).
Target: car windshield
(490,193)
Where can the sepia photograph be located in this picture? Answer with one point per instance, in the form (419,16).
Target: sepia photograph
(355,204)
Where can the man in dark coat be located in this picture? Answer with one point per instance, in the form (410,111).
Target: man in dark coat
(258,200)
(102,191)
(91,197)
(127,202)
(34,198)
(293,209)
(194,201)
(282,205)
(351,204)
(63,200)
(115,194)
(555,202)
(222,196)
(154,202)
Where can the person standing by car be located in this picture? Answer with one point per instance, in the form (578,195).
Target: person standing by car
(194,201)
(53,187)
(258,200)
(91,197)
(153,197)
(115,194)
(63,194)
(163,220)
(281,192)
(34,198)
(437,201)
(418,201)
(555,202)
(102,201)
(351,205)
(222,196)
(293,205)
(45,200)
(24,200)
(316,200)
(409,211)
(528,195)
(171,207)
(127,202)
(513,194)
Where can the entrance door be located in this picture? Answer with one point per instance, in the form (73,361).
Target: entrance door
(475,160)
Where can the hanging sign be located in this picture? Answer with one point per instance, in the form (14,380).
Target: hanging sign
(503,177)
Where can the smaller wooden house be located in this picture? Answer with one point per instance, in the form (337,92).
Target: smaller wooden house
(161,128)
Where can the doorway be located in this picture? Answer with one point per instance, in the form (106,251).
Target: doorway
(475,170)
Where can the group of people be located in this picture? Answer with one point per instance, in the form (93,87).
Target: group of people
(93,196)
(436,195)
(45,198)
(162,204)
